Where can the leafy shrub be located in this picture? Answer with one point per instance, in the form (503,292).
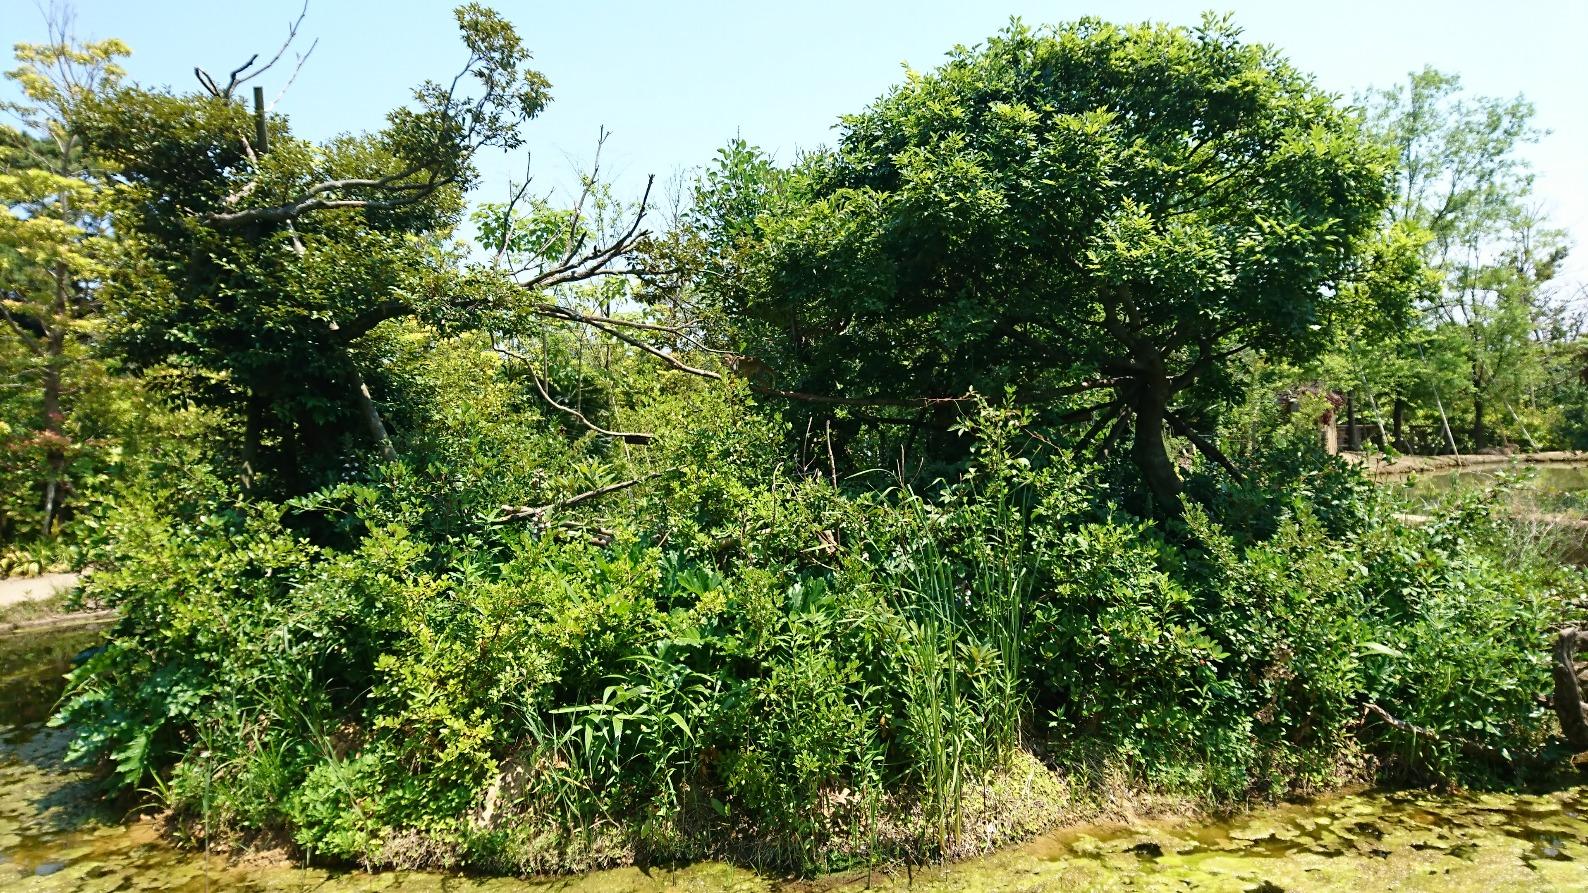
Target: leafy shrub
(754,664)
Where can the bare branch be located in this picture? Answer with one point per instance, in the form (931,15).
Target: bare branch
(634,437)
(539,513)
(662,355)
(293,78)
(595,263)
(912,402)
(246,72)
(290,212)
(507,213)
(1472,748)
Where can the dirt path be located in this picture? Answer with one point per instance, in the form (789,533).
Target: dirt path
(34,589)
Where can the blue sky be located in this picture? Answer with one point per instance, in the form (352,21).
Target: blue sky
(673,81)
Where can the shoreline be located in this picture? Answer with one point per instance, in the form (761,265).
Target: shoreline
(1377,465)
(58,621)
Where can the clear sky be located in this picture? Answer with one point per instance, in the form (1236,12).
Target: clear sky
(673,80)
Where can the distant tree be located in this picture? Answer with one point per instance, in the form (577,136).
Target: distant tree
(1463,183)
(52,246)
(1092,217)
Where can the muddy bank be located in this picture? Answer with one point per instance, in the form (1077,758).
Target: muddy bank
(1379,466)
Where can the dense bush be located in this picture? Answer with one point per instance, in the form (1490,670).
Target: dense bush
(751,663)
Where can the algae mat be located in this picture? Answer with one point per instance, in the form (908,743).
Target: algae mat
(57,835)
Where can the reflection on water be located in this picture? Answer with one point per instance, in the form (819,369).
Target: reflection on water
(57,835)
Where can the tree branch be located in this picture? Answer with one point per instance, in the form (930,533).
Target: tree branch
(1204,445)
(633,437)
(539,513)
(246,72)
(360,325)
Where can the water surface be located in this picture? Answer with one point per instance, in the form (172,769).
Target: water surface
(1550,488)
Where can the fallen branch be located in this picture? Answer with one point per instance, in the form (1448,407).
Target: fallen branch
(539,513)
(1471,748)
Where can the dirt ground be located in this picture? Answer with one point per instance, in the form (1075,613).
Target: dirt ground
(33,589)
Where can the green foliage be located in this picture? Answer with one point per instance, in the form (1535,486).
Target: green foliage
(598,603)
(1060,212)
(1483,351)
(53,247)
(762,667)
(269,272)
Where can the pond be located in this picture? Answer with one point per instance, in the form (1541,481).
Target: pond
(1553,489)
(56,834)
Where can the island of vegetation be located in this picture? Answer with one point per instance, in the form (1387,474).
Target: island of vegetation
(935,488)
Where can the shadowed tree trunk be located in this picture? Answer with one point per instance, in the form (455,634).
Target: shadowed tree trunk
(55,434)
(1149,400)
(372,418)
(1480,430)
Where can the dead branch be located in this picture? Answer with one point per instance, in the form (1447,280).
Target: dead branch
(572,315)
(393,190)
(539,513)
(910,402)
(662,355)
(569,314)
(595,263)
(1472,748)
(403,194)
(507,213)
(633,437)
(296,69)
(246,72)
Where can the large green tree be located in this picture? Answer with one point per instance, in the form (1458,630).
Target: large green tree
(1464,184)
(265,264)
(1090,216)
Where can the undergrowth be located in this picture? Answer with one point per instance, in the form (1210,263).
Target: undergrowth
(751,663)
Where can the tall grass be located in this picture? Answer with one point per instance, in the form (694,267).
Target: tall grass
(962,640)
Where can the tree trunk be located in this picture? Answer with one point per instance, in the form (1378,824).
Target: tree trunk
(54,415)
(1398,417)
(372,419)
(253,433)
(1353,438)
(1480,431)
(1148,450)
(55,434)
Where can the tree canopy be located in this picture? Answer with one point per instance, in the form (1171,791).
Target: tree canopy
(1059,211)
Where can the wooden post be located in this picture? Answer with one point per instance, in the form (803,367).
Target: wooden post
(261,132)
(1353,438)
